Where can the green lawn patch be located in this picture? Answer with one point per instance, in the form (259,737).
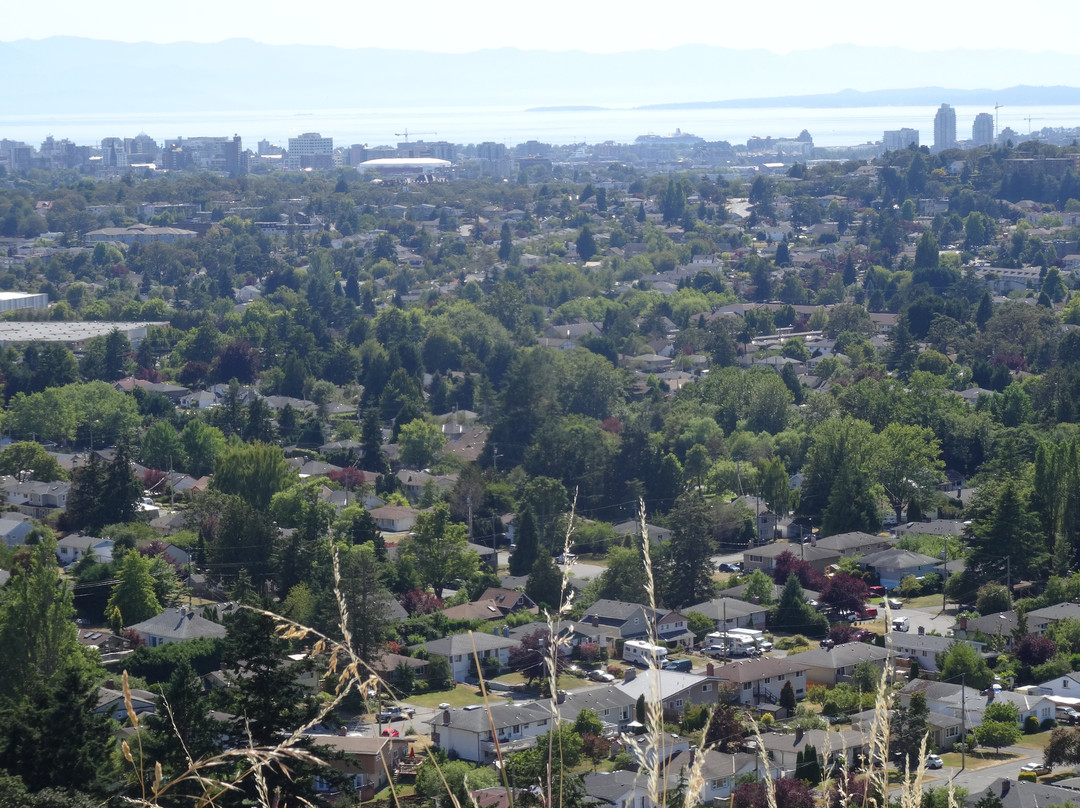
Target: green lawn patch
(460,696)
(1037,741)
(978,759)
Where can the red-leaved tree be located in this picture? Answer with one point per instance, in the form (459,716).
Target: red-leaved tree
(417,602)
(348,477)
(788,564)
(845,592)
(789,792)
(1033,650)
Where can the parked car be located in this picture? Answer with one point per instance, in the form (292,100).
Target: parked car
(395,714)
(934,762)
(827,643)
(1039,769)
(861,635)
(601,676)
(684,665)
(893,603)
(867,613)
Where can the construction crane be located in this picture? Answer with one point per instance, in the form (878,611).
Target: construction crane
(996,130)
(405,134)
(1029,119)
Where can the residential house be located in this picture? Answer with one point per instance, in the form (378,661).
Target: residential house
(951,702)
(386,663)
(894,564)
(614,706)
(14,531)
(856,543)
(831,666)
(718,771)
(950,698)
(987,627)
(760,680)
(459,649)
(633,528)
(1010,793)
(739,592)
(176,625)
(71,549)
(621,789)
(366,763)
(674,690)
(730,613)
(467,732)
(633,621)
(1065,686)
(36,499)
(111,702)
(394,518)
(416,482)
(784,749)
(764,558)
(1040,619)
(944,729)
(924,648)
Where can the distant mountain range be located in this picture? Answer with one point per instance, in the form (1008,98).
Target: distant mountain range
(68,75)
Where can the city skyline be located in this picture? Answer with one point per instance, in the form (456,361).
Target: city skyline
(560,26)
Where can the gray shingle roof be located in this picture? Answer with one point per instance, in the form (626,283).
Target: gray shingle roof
(178,624)
(849,653)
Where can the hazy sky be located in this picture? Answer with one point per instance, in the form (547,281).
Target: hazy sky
(601,27)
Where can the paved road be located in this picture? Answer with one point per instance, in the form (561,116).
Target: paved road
(977,781)
(578,569)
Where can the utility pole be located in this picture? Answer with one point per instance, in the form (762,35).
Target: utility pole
(468,502)
(945,569)
(963,721)
(1008,574)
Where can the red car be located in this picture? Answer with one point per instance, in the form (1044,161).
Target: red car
(867,613)
(860,635)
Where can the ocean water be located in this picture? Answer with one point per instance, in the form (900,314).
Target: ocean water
(509,125)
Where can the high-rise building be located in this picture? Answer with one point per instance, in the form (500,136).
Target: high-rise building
(945,128)
(982,131)
(896,139)
(310,143)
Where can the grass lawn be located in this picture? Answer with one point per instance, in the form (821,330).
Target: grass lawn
(1063,774)
(566,681)
(402,790)
(1037,741)
(978,759)
(460,696)
(925,602)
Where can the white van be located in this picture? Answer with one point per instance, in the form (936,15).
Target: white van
(901,624)
(735,644)
(645,654)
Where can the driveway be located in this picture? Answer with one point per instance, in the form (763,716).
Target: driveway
(976,781)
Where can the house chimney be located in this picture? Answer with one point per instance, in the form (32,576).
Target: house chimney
(798,735)
(596,621)
(963,623)
(110,684)
(710,669)
(342,730)
(445,717)
(922,630)
(560,696)
(1006,784)
(631,674)
(990,694)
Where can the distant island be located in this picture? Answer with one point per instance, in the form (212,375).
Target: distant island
(914,97)
(567,109)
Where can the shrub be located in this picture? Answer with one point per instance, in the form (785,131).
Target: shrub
(1074,662)
(1027,777)
(1047,724)
(767,721)
(1031,725)
(816,694)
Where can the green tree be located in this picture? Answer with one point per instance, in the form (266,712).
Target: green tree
(182,725)
(906,462)
(30,457)
(452,777)
(162,447)
(624,577)
(998,733)
(700,625)
(527,535)
(787,698)
(775,486)
(37,631)
(586,244)
(690,548)
(253,472)
(545,584)
(909,726)
(963,662)
(439,549)
(1006,528)
(506,242)
(133,598)
(926,253)
(366,600)
(792,612)
(759,589)
(201,445)
(420,442)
